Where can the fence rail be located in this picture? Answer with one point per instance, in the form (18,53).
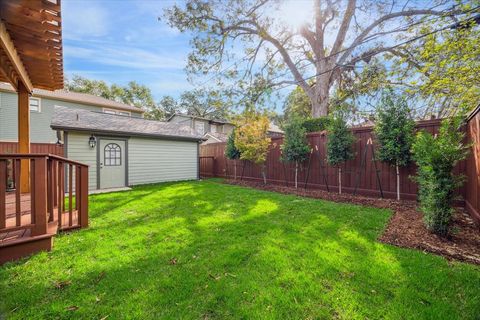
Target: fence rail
(50,148)
(362,175)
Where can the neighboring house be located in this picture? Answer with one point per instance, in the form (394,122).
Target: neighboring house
(42,104)
(202,125)
(128,150)
(214,130)
(124,151)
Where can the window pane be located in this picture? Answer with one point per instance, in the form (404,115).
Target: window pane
(113,155)
(34,104)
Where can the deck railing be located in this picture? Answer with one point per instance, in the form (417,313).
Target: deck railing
(57,198)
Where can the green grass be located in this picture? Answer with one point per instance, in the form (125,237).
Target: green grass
(240,253)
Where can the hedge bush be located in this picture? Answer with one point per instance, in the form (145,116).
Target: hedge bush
(316,124)
(436,156)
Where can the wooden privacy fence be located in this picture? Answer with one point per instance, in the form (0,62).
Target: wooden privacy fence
(362,175)
(472,187)
(50,148)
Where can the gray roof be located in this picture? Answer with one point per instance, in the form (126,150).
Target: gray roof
(201,118)
(70,119)
(78,97)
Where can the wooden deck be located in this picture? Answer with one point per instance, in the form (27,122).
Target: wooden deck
(56,200)
(26,218)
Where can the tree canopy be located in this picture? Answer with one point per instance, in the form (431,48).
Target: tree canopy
(394,128)
(339,141)
(200,103)
(335,39)
(231,150)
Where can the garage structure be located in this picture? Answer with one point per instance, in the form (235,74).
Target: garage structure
(125,151)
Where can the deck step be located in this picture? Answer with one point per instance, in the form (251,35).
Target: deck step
(24,246)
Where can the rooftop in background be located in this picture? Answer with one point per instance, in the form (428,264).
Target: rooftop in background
(70,96)
(98,122)
(222,121)
(273,128)
(31,32)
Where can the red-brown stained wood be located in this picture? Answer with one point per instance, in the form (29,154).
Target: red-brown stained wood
(39,188)
(18,212)
(83,197)
(29,220)
(3,178)
(214,164)
(70,194)
(50,148)
(472,166)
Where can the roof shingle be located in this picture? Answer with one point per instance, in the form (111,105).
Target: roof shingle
(71,96)
(83,120)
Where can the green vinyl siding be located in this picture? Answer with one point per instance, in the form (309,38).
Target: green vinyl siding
(40,131)
(155,160)
(8,117)
(149,160)
(79,150)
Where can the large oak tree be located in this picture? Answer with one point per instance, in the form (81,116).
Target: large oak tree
(328,45)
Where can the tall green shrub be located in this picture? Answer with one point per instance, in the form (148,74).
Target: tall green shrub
(339,144)
(295,146)
(394,131)
(315,124)
(231,151)
(436,156)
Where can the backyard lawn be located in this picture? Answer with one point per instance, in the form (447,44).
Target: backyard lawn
(205,250)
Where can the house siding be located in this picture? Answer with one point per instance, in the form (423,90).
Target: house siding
(154,160)
(149,160)
(40,131)
(77,149)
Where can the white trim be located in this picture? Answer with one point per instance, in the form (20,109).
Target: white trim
(208,134)
(124,113)
(39,104)
(117,112)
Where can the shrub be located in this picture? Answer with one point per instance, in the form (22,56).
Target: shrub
(339,144)
(231,151)
(315,124)
(394,131)
(436,156)
(295,147)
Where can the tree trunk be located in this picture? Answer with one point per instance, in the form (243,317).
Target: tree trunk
(296,174)
(320,101)
(398,182)
(264,175)
(235,168)
(339,180)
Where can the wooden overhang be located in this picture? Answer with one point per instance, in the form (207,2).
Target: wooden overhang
(31,44)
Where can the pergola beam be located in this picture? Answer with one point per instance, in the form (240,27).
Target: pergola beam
(16,63)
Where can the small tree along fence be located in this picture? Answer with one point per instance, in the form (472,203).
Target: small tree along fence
(362,175)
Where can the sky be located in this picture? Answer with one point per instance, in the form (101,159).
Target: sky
(123,40)
(119,41)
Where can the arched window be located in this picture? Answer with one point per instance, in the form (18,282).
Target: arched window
(113,155)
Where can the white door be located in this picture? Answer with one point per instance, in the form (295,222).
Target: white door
(112,163)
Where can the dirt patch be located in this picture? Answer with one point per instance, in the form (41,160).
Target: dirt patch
(405,228)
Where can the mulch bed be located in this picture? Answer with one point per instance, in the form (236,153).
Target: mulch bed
(405,228)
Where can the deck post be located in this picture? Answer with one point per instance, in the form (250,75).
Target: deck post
(24,135)
(82,197)
(39,196)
